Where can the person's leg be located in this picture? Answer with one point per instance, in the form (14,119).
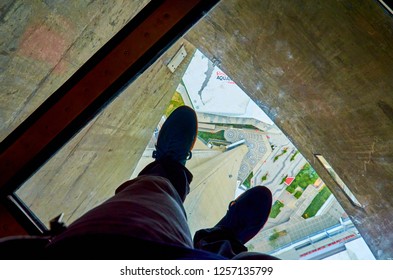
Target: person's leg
(175,172)
(175,141)
(245,217)
(147,207)
(150,206)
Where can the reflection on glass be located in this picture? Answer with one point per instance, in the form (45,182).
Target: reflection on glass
(45,42)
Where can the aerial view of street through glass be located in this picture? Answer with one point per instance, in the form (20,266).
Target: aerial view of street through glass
(240,147)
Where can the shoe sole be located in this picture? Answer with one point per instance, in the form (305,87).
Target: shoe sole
(179,112)
(266,196)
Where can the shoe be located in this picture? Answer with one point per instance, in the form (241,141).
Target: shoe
(248,213)
(177,136)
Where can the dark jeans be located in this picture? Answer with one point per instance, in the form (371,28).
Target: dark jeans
(150,209)
(215,240)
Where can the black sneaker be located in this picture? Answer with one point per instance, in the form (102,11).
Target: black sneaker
(177,136)
(248,213)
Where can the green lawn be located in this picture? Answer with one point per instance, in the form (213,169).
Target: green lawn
(241,126)
(298,194)
(305,177)
(317,203)
(276,209)
(247,182)
(283,179)
(282,153)
(277,234)
(207,136)
(176,102)
(294,156)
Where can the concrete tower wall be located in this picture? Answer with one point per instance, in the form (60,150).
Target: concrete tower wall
(323,71)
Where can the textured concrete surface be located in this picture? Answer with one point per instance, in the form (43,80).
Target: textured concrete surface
(212,189)
(323,71)
(42,43)
(88,168)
